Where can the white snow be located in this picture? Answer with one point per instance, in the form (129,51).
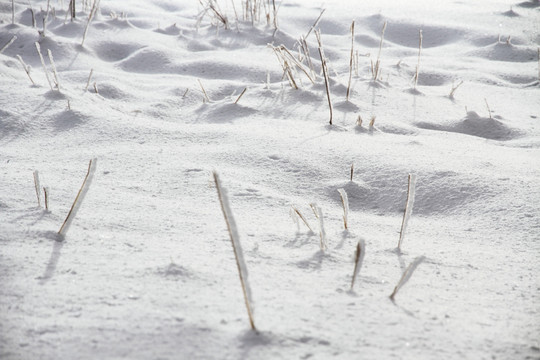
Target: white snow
(146,270)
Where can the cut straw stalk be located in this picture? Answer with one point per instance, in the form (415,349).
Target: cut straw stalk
(237,248)
(295,214)
(53,65)
(358,260)
(26,69)
(78,200)
(407,275)
(454,88)
(241,94)
(325,72)
(204,91)
(408,208)
(345,204)
(95,7)
(38,48)
(8,44)
(322,233)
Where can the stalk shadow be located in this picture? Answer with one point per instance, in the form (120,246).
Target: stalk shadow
(50,269)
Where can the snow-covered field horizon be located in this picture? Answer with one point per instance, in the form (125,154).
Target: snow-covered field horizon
(163,93)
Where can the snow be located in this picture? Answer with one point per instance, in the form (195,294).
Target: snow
(146,269)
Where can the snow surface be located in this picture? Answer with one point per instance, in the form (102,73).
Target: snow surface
(146,270)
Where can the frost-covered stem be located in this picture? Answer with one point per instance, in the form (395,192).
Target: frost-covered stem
(325,72)
(418,64)
(305,49)
(296,213)
(38,187)
(90,18)
(237,248)
(358,260)
(345,203)
(80,196)
(315,24)
(8,43)
(13,12)
(26,69)
(351,61)
(322,233)
(43,64)
(55,73)
(455,87)
(407,275)
(408,208)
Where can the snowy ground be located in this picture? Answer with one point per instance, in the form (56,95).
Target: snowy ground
(147,270)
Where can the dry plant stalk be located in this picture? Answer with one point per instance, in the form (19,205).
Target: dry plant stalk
(285,59)
(43,64)
(26,69)
(322,232)
(79,198)
(241,94)
(358,260)
(217,12)
(372,122)
(407,275)
(305,49)
(296,212)
(46,197)
(313,207)
(204,91)
(488,108)
(315,24)
(351,62)
(72,9)
(55,73)
(359,121)
(376,69)
(38,187)
(89,78)
(408,208)
(95,7)
(325,72)
(352,167)
(233,234)
(418,64)
(345,204)
(8,43)
(454,88)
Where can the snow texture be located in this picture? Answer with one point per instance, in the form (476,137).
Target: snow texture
(145,271)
